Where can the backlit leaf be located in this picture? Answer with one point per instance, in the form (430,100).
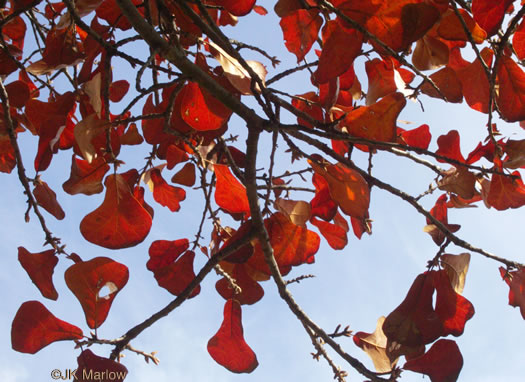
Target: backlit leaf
(451,28)
(506,192)
(456,267)
(172,265)
(186,176)
(96,283)
(334,234)
(300,29)
(120,221)
(511,95)
(516,282)
(230,194)
(34,327)
(40,267)
(86,178)
(375,345)
(47,199)
(297,211)
(165,194)
(91,367)
(489,14)
(228,347)
(251,290)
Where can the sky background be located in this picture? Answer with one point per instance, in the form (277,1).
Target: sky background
(354,286)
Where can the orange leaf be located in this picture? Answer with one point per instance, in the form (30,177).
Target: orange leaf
(230,194)
(419,137)
(447,82)
(442,362)
(172,265)
(322,204)
(121,221)
(47,199)
(228,347)
(40,267)
(34,327)
(186,176)
(451,28)
(347,188)
(430,53)
(297,211)
(334,234)
(165,194)
(381,78)
(376,122)
(448,146)
(475,83)
(292,245)
(87,279)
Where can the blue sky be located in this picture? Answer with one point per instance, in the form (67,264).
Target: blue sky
(355,286)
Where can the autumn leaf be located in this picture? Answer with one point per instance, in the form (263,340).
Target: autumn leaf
(120,221)
(459,181)
(185,176)
(250,290)
(34,327)
(334,234)
(375,345)
(300,29)
(347,188)
(516,282)
(506,191)
(47,199)
(297,211)
(230,194)
(96,283)
(91,366)
(415,322)
(456,267)
(475,83)
(419,137)
(489,14)
(292,245)
(228,347)
(163,193)
(86,178)
(322,204)
(385,77)
(172,265)
(442,362)
(448,83)
(511,97)
(40,267)
(430,53)
(440,212)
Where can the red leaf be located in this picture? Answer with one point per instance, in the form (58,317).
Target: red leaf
(451,28)
(86,178)
(243,253)
(92,368)
(237,7)
(175,155)
(47,199)
(414,322)
(200,110)
(475,83)
(518,41)
(453,309)
(516,282)
(186,176)
(448,146)
(24,4)
(506,192)
(7,155)
(110,12)
(251,291)
(511,95)
(347,188)
(322,204)
(489,14)
(117,90)
(228,347)
(334,234)
(18,93)
(440,212)
(230,194)
(310,106)
(172,265)
(165,194)
(341,46)
(34,327)
(121,221)
(442,362)
(381,78)
(447,82)
(87,279)
(300,30)
(419,137)
(292,245)
(40,267)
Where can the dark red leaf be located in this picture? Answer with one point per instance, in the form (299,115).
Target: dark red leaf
(117,90)
(47,199)
(251,291)
(40,267)
(228,347)
(92,368)
(86,178)
(34,327)
(87,279)
(516,282)
(237,7)
(442,362)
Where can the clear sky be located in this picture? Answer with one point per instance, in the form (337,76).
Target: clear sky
(355,286)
